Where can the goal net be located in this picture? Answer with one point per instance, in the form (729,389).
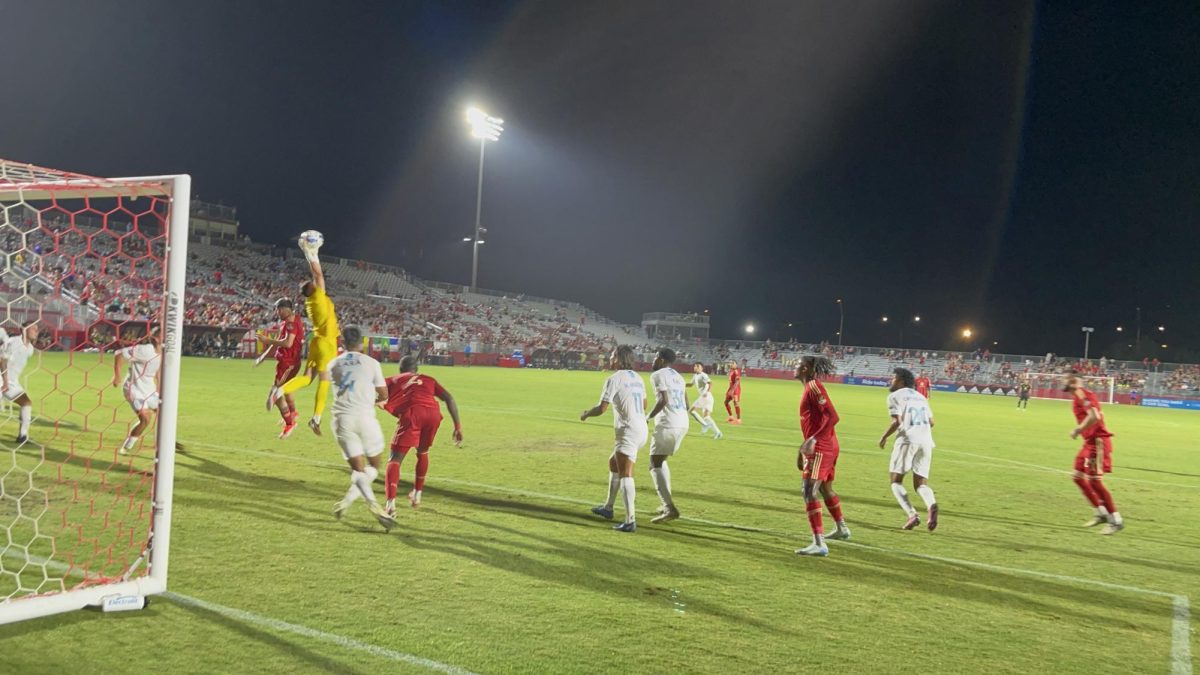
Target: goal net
(89,267)
(1050,385)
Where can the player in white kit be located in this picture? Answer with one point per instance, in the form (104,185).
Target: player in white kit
(625,391)
(140,384)
(14,354)
(670,426)
(701,410)
(358,386)
(912,418)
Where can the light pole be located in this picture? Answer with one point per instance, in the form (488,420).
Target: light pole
(841,321)
(485,128)
(1087,339)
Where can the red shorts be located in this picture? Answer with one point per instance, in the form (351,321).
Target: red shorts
(416,428)
(821,464)
(1085,461)
(286,370)
(734,394)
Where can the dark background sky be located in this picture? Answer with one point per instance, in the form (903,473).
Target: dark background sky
(1020,168)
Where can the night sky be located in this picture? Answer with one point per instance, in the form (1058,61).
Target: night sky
(1020,169)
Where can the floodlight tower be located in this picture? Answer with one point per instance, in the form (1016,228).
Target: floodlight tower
(485,128)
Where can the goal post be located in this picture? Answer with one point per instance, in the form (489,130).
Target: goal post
(1050,386)
(96,265)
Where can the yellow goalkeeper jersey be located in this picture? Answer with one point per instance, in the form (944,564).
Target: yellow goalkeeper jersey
(322,315)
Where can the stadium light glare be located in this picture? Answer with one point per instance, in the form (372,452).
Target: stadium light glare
(967,332)
(1164,346)
(917,319)
(1161,328)
(1120,329)
(485,128)
(884,319)
(468,239)
(750,328)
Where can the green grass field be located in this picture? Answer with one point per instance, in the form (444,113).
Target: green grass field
(504,570)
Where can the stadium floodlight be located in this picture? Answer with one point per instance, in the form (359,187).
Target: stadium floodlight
(750,329)
(884,319)
(1162,328)
(1087,338)
(966,333)
(1120,329)
(917,319)
(841,321)
(92,527)
(468,239)
(485,128)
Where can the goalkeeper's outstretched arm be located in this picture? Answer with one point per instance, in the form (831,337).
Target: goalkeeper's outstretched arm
(314,266)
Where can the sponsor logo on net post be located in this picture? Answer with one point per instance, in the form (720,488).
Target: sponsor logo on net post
(171,342)
(122,603)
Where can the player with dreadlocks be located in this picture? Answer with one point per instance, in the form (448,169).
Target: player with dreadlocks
(818,453)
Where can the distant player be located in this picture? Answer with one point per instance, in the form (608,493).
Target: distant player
(733,395)
(140,384)
(670,426)
(1023,394)
(360,385)
(286,346)
(818,454)
(701,410)
(412,399)
(14,354)
(1095,458)
(322,348)
(625,391)
(923,385)
(912,422)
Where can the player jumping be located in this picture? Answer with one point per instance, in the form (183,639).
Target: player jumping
(670,426)
(818,453)
(1095,458)
(322,348)
(14,355)
(286,348)
(734,394)
(413,400)
(360,386)
(912,418)
(626,392)
(701,410)
(140,384)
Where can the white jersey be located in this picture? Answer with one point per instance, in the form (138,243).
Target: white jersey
(626,392)
(702,383)
(16,353)
(674,414)
(355,377)
(144,361)
(916,417)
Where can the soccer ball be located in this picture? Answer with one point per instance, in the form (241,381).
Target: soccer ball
(312,239)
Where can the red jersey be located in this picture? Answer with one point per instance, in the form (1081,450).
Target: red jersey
(818,417)
(1080,405)
(923,386)
(292,326)
(411,390)
(735,379)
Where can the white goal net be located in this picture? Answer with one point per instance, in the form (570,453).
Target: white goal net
(1050,385)
(90,267)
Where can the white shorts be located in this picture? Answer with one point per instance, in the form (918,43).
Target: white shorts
(914,457)
(358,435)
(704,403)
(141,398)
(629,441)
(13,392)
(665,440)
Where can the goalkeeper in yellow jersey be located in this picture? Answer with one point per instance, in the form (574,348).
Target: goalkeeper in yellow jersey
(322,346)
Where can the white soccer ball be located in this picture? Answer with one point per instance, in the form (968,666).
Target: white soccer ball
(312,239)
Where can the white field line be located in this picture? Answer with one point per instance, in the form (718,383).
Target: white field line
(1181,658)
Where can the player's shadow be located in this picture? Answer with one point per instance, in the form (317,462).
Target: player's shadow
(218,471)
(1089,554)
(290,649)
(516,504)
(701,498)
(34,626)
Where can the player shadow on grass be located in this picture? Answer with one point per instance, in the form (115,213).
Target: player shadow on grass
(52,622)
(291,649)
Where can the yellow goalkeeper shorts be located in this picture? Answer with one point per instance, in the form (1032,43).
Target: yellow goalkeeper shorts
(320,353)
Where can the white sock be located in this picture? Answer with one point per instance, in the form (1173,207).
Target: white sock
(1102,511)
(627,493)
(362,480)
(1115,518)
(614,483)
(926,493)
(902,499)
(130,441)
(818,540)
(712,423)
(662,484)
(696,416)
(26,416)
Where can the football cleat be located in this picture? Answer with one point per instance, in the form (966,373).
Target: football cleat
(666,516)
(933,517)
(389,507)
(913,521)
(315,425)
(384,519)
(414,498)
(626,527)
(813,550)
(736,423)
(289,425)
(730,419)
(1112,528)
(339,509)
(22,439)
(1095,520)
(603,511)
(840,534)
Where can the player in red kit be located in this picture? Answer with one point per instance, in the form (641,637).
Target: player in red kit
(734,394)
(286,345)
(413,401)
(1095,458)
(818,454)
(922,385)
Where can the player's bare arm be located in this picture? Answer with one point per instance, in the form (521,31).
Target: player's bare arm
(594,411)
(118,363)
(318,276)
(660,402)
(890,430)
(277,343)
(452,408)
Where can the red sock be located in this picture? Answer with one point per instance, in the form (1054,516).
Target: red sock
(728,410)
(285,413)
(738,409)
(834,504)
(1102,494)
(393,479)
(1087,491)
(813,509)
(422,469)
